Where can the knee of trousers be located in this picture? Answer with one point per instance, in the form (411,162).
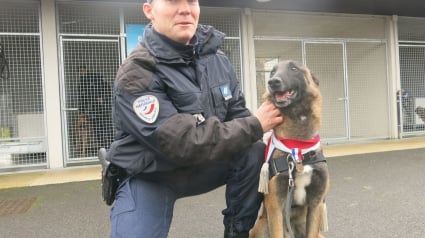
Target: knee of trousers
(249,162)
(242,197)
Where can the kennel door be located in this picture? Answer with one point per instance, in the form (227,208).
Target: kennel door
(326,61)
(87,121)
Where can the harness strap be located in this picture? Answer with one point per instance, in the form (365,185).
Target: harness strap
(280,164)
(288,210)
(291,145)
(291,165)
(297,149)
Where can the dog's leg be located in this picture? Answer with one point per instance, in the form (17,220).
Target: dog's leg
(260,229)
(314,216)
(317,192)
(274,203)
(298,220)
(83,144)
(275,220)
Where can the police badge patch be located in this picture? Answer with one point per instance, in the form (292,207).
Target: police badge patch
(226,92)
(147,108)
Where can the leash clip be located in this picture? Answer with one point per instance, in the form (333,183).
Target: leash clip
(291,166)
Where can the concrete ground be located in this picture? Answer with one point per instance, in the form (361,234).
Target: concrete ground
(377,190)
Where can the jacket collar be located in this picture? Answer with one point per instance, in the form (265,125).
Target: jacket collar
(206,40)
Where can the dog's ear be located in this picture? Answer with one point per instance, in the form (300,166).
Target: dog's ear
(315,79)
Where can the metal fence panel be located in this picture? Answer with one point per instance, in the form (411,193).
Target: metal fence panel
(22,132)
(367,89)
(411,97)
(326,61)
(278,23)
(351,66)
(89,71)
(90,36)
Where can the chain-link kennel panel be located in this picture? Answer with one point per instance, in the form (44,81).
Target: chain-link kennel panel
(327,63)
(90,43)
(368,90)
(22,132)
(411,96)
(267,54)
(89,19)
(227,21)
(89,72)
(347,63)
(90,57)
(299,25)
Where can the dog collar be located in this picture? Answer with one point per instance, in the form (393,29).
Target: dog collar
(295,147)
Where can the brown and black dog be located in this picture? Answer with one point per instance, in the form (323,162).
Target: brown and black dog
(84,131)
(295,91)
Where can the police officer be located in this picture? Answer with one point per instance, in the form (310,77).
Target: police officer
(182,126)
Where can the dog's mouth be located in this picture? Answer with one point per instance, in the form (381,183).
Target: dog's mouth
(283,99)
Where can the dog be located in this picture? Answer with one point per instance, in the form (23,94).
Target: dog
(84,131)
(420,111)
(295,91)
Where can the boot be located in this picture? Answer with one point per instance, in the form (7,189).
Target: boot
(230,232)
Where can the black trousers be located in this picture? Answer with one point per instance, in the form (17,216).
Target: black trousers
(144,204)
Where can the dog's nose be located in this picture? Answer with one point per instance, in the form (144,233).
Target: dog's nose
(274,82)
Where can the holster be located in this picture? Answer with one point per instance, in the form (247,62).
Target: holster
(112,176)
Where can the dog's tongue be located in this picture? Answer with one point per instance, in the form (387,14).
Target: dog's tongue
(281,96)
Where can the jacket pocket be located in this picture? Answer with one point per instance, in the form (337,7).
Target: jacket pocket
(187,102)
(221,100)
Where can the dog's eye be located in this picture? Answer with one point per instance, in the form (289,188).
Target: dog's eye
(294,69)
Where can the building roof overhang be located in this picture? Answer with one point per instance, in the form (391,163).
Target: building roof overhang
(410,8)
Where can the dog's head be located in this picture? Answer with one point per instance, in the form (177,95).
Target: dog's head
(291,82)
(421,112)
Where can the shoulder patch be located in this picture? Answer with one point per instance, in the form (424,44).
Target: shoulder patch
(146,108)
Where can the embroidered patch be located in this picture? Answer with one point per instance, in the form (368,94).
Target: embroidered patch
(226,92)
(147,108)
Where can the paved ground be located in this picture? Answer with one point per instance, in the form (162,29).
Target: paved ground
(372,195)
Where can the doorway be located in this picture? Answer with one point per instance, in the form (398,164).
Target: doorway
(87,121)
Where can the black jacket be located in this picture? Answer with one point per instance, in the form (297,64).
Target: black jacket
(158,90)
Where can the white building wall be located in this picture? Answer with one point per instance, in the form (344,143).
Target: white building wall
(51,85)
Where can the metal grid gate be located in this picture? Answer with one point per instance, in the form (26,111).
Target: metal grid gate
(411,96)
(227,21)
(89,70)
(22,133)
(90,37)
(90,57)
(350,65)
